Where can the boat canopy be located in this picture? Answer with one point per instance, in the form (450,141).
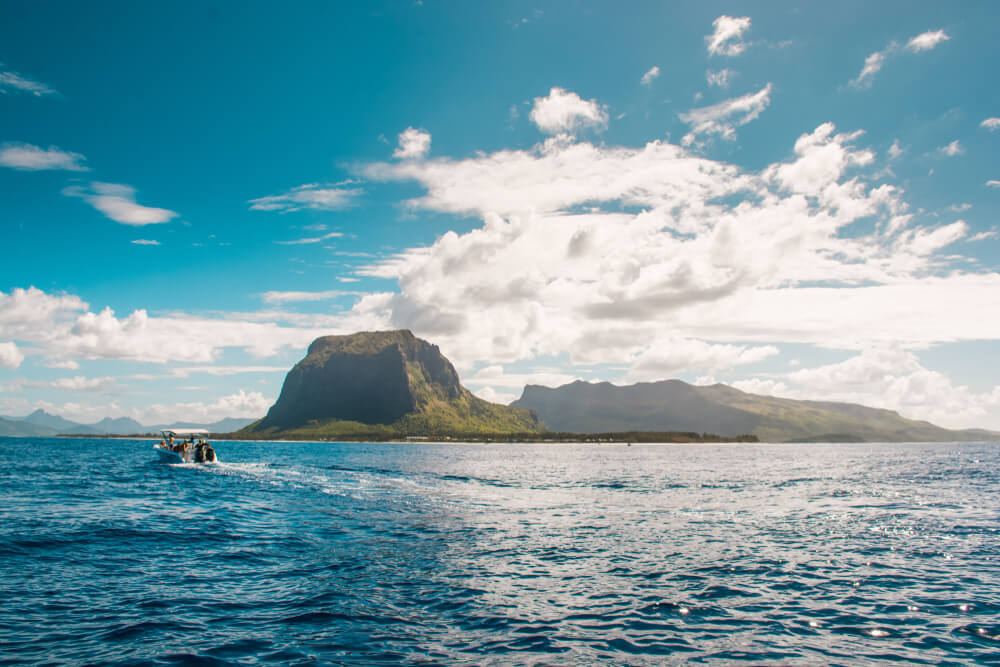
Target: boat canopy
(183,431)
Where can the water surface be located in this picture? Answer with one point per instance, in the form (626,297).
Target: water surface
(309,553)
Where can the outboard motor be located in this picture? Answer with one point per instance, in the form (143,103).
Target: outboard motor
(209,454)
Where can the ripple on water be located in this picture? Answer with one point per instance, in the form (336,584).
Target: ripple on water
(316,553)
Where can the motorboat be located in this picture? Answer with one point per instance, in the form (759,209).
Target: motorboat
(182,446)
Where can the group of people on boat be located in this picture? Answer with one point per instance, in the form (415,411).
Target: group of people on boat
(203,451)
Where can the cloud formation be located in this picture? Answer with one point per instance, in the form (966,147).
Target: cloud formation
(991,124)
(565,112)
(12,82)
(595,251)
(726,39)
(27,157)
(952,149)
(117,202)
(722,78)
(413,144)
(651,75)
(886,376)
(313,196)
(874,62)
(311,239)
(926,41)
(10,356)
(723,118)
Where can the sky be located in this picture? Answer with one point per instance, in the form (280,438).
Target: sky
(797,199)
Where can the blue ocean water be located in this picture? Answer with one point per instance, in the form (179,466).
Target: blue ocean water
(309,553)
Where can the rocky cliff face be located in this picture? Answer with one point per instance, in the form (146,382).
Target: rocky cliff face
(388,378)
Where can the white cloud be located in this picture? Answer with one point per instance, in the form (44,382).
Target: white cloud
(722,78)
(726,38)
(78,383)
(982,236)
(12,82)
(875,61)
(926,41)
(566,112)
(895,150)
(873,64)
(413,144)
(291,297)
(145,242)
(311,239)
(312,196)
(27,157)
(10,356)
(64,328)
(952,149)
(668,356)
(723,118)
(993,184)
(117,202)
(595,251)
(649,76)
(893,378)
(493,396)
(68,364)
(242,404)
(991,124)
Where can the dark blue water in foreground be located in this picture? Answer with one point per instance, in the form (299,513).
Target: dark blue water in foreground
(298,553)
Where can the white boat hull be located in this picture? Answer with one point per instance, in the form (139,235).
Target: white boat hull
(169,456)
(188,456)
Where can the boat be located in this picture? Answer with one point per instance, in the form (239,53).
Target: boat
(180,446)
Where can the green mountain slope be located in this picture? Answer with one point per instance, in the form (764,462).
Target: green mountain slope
(382,384)
(672,405)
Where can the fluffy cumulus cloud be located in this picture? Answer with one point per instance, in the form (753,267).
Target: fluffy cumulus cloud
(12,82)
(874,62)
(726,39)
(565,112)
(27,157)
(723,118)
(991,124)
(117,202)
(597,252)
(64,328)
(413,144)
(313,196)
(926,41)
(650,75)
(10,356)
(893,378)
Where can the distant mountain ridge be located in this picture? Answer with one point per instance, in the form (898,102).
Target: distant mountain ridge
(673,405)
(382,384)
(40,424)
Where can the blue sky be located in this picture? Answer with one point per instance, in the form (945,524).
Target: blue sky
(795,199)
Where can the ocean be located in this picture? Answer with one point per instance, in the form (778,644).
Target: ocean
(470,554)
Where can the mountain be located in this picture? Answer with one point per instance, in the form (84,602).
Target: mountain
(18,428)
(109,426)
(382,384)
(224,425)
(56,423)
(673,405)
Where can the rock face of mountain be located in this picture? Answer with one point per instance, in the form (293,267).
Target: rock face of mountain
(383,383)
(673,405)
